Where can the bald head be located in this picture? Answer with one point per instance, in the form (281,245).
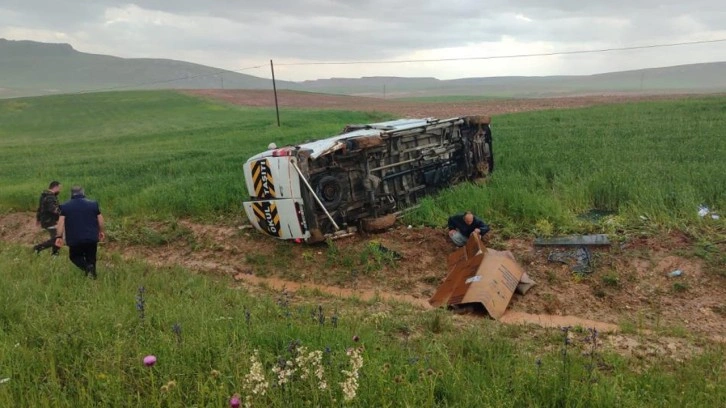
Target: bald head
(468,217)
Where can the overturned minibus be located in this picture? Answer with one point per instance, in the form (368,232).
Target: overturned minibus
(361,179)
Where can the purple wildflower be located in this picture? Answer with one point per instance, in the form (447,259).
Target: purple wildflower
(141,302)
(150,360)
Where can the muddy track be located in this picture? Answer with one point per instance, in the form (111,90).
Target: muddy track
(643,297)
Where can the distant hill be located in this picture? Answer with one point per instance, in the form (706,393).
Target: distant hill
(33,68)
(693,78)
(30,68)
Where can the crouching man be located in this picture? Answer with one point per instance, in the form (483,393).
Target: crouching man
(462,226)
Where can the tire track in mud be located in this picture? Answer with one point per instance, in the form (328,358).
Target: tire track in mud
(20,228)
(222,250)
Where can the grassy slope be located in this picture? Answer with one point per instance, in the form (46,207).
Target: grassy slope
(165,154)
(658,160)
(143,152)
(69,342)
(65,341)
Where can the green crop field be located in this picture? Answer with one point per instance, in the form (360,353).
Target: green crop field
(69,342)
(66,341)
(149,154)
(656,162)
(159,154)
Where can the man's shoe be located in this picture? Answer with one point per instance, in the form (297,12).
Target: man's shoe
(91,271)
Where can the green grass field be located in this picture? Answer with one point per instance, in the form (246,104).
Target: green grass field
(655,162)
(148,154)
(66,341)
(161,154)
(69,342)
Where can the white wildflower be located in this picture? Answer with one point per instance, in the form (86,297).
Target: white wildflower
(284,372)
(255,380)
(350,385)
(316,357)
(377,319)
(301,361)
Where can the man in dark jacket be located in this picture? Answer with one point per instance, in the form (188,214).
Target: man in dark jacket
(47,216)
(462,226)
(81,224)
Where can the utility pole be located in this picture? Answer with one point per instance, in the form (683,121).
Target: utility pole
(274,89)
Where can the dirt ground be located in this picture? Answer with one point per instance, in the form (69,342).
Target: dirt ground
(293,99)
(629,286)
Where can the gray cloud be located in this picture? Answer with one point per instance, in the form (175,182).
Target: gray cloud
(354,30)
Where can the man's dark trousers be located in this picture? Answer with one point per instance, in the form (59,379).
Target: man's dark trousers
(49,243)
(84,257)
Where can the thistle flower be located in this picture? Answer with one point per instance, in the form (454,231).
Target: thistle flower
(356,338)
(149,360)
(234,402)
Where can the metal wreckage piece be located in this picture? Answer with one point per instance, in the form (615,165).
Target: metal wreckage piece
(578,259)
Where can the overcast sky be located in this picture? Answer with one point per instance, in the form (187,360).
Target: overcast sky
(237,34)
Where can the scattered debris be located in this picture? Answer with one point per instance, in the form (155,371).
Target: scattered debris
(525,284)
(675,273)
(479,276)
(704,211)
(578,259)
(378,246)
(574,240)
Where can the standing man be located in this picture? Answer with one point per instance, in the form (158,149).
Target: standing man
(47,216)
(462,226)
(81,223)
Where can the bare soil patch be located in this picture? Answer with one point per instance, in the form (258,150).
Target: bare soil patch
(293,99)
(628,287)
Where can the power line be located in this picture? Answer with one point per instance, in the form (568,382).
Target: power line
(545,54)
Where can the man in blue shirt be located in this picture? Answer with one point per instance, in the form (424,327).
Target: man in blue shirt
(81,224)
(462,226)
